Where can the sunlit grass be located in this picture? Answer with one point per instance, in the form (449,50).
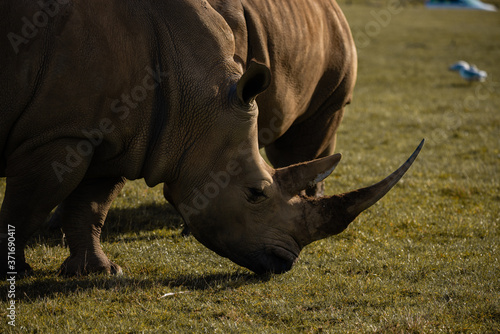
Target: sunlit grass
(423,260)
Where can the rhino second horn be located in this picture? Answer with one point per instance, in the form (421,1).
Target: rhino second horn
(295,178)
(331,215)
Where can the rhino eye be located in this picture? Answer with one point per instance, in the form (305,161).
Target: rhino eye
(256,195)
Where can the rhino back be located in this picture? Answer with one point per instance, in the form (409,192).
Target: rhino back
(67,65)
(309,48)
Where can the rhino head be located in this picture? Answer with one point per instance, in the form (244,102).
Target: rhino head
(243,209)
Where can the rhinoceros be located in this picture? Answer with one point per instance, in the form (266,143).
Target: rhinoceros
(176,92)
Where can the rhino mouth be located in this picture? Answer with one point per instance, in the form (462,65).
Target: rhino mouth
(281,260)
(276,260)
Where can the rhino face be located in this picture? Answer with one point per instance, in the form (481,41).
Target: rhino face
(260,222)
(254,229)
(243,209)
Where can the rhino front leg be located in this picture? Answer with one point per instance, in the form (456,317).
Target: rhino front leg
(19,219)
(33,189)
(82,215)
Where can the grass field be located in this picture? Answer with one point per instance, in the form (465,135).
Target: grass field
(426,259)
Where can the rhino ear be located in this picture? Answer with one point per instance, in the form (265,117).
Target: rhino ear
(253,82)
(298,177)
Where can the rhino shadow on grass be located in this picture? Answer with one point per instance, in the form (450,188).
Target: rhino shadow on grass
(49,286)
(149,217)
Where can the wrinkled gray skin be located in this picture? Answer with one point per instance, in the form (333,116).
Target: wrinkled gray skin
(165,91)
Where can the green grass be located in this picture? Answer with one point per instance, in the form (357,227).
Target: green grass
(423,260)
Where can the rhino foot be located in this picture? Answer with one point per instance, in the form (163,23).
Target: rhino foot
(84,265)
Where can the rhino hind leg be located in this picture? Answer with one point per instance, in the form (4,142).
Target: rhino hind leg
(83,214)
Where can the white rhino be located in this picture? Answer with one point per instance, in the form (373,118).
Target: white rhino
(176,92)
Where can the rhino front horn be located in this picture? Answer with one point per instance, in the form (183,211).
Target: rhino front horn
(331,215)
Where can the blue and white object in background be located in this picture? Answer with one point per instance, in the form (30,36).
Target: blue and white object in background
(460,4)
(468,72)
